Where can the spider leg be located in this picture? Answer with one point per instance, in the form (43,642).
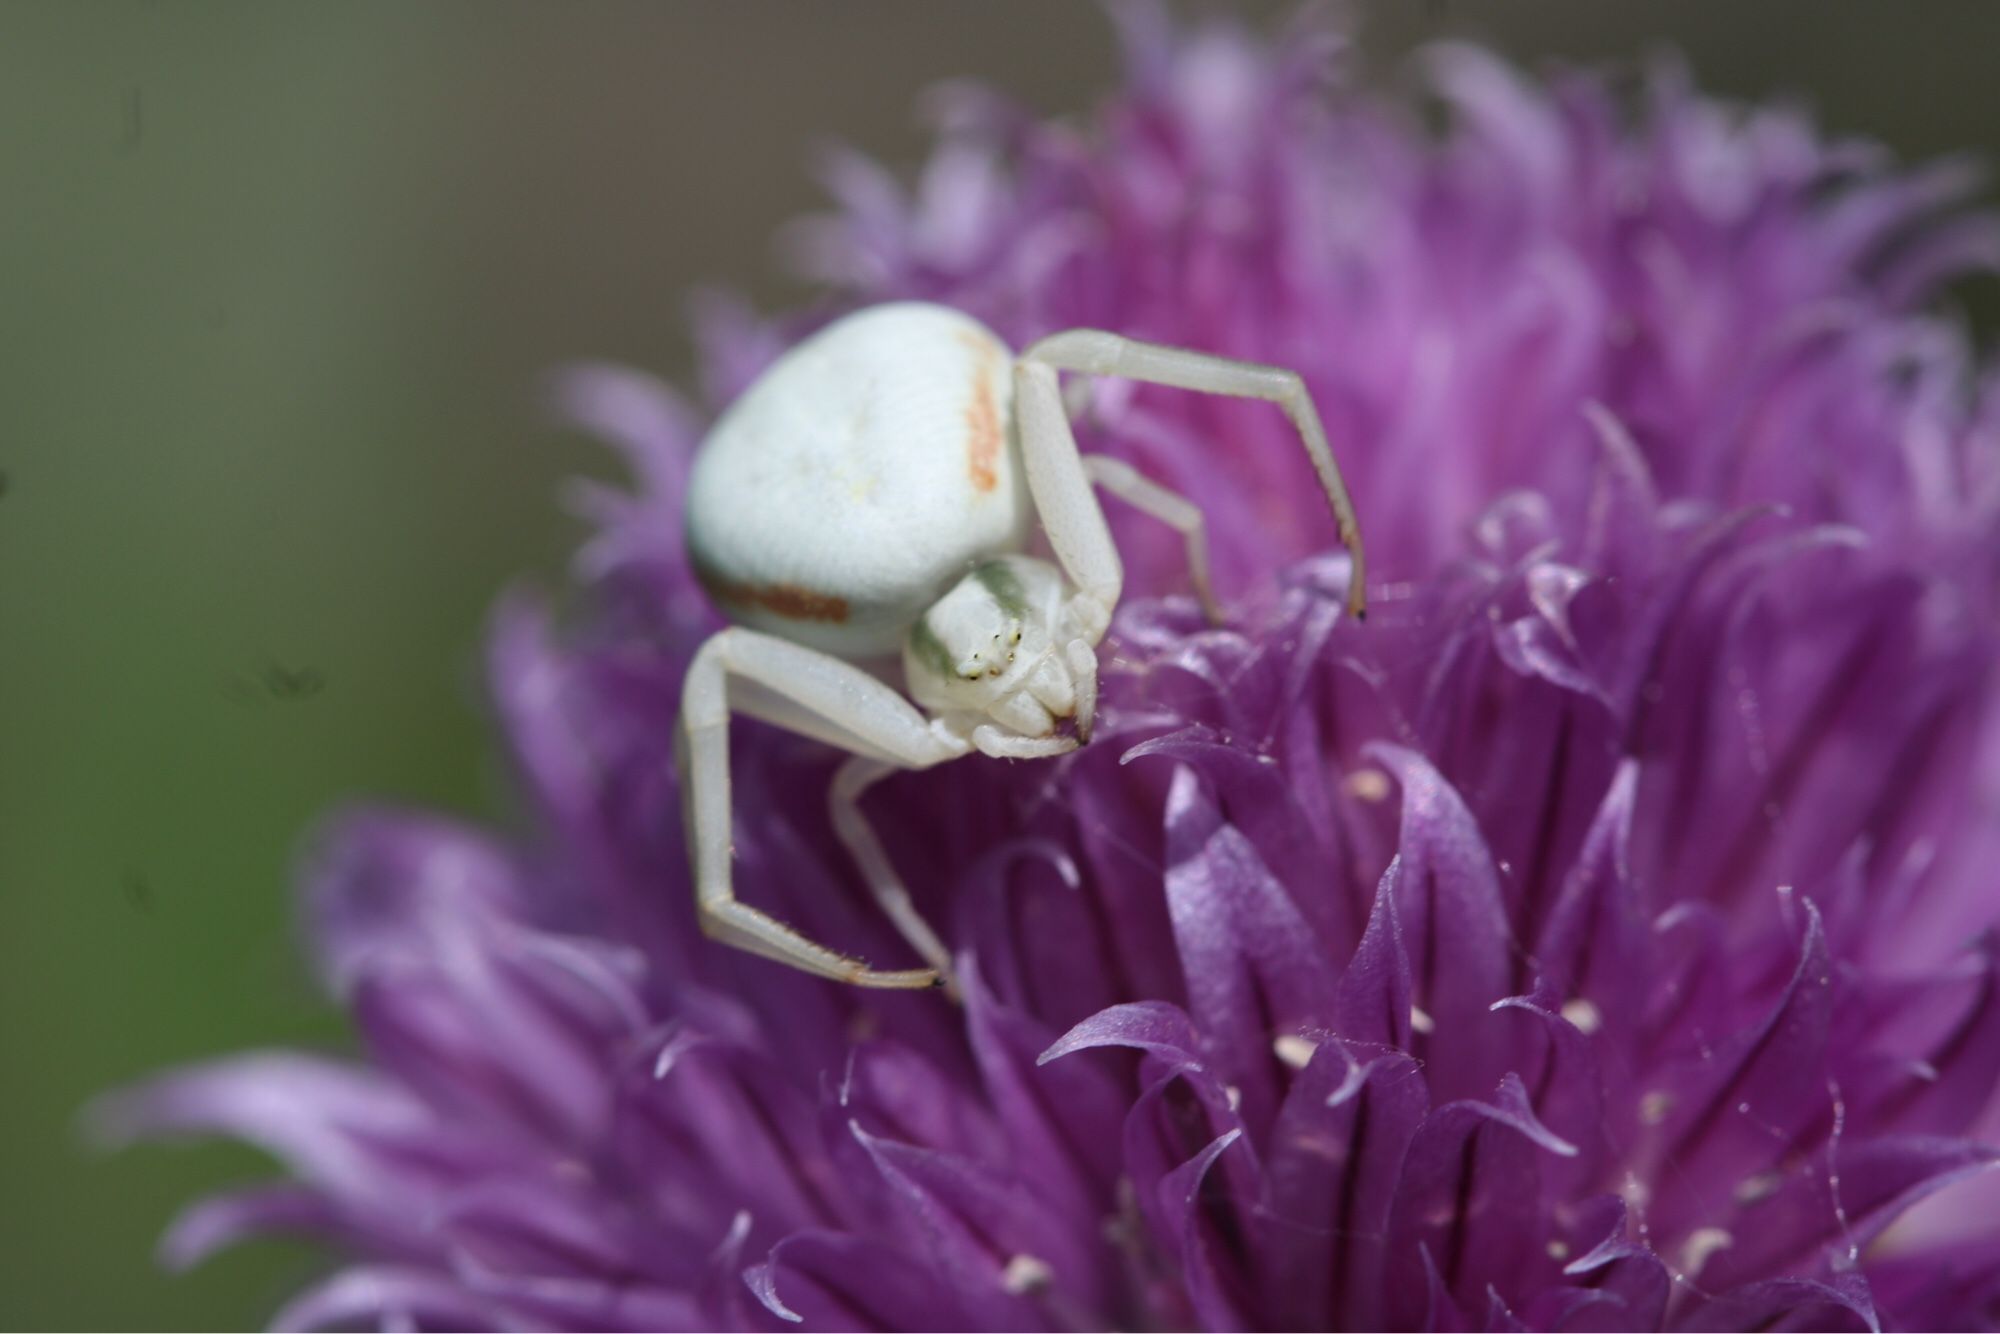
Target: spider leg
(743,671)
(1064,500)
(844,800)
(1095,352)
(1142,493)
(1060,483)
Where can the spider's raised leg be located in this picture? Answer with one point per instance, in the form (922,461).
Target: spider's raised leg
(823,697)
(1074,523)
(1095,352)
(1060,482)
(1175,510)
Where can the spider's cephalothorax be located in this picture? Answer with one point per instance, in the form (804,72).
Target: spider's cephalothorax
(871,494)
(995,646)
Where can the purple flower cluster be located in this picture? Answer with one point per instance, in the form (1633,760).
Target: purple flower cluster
(1599,938)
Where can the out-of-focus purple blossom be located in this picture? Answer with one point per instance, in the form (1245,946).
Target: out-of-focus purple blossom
(1599,938)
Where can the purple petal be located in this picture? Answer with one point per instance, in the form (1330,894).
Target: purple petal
(1251,960)
(1946,1051)
(1470,1198)
(220,1221)
(390,1297)
(645,418)
(1833,1208)
(1151,1026)
(1453,923)
(380,885)
(1179,1194)
(354,1133)
(1736,1108)
(981,1231)
(1627,1285)
(1334,1160)
(1842,1303)
(1056,1114)
(832,1280)
(1595,942)
(1374,999)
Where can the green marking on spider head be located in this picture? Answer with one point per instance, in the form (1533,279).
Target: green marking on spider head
(928,649)
(999,579)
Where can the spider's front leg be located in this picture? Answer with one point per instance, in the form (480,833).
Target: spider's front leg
(820,696)
(1096,352)
(1060,479)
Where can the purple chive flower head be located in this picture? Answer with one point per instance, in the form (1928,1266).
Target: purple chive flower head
(1601,937)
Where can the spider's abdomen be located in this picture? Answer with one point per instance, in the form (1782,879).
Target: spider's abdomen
(859,477)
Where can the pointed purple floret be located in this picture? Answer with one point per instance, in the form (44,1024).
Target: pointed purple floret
(1602,937)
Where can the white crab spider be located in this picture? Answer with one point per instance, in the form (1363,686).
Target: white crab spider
(870,493)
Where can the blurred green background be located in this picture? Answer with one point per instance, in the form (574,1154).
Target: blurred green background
(277,284)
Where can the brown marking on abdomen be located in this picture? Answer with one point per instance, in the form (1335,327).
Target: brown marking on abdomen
(982,417)
(787,600)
